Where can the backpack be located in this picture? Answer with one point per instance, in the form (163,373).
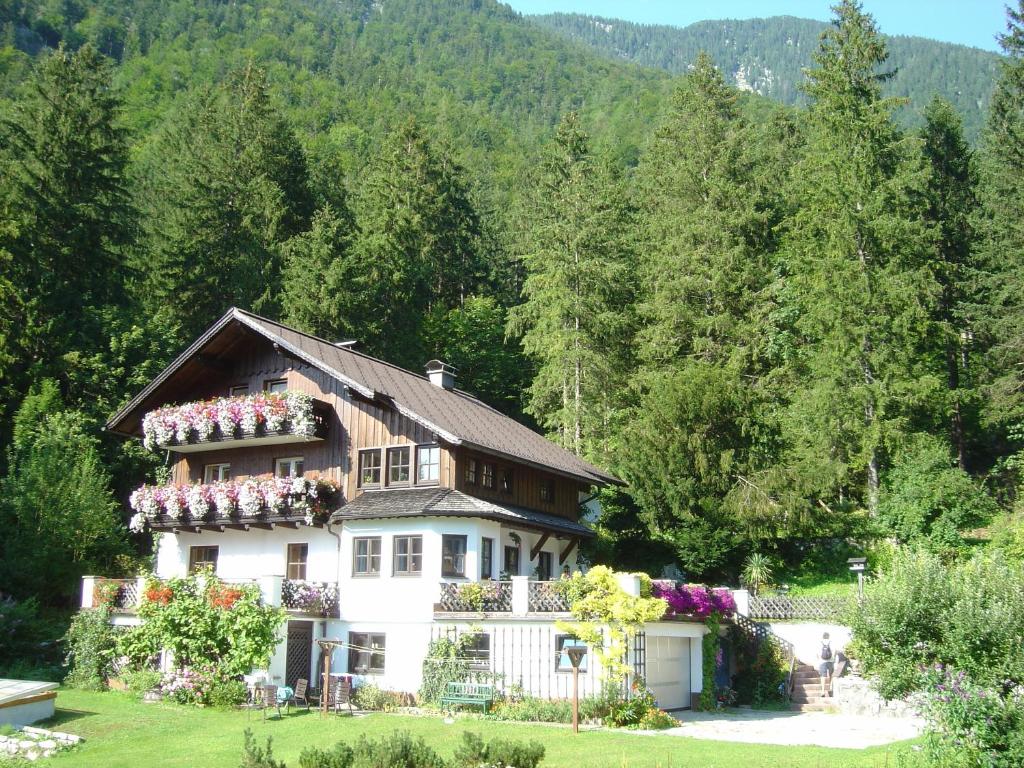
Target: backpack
(826,652)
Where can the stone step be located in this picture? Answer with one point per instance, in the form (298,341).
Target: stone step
(799,707)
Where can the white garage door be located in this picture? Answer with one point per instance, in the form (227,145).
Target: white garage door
(668,670)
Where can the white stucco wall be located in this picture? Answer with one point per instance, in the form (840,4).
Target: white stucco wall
(806,638)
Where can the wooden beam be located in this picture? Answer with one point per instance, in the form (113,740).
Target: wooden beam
(186,529)
(539,545)
(213,527)
(568,550)
(262,526)
(287,523)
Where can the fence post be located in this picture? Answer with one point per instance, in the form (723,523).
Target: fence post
(520,595)
(88,586)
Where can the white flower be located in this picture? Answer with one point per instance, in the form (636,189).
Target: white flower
(138,523)
(250,498)
(198,502)
(172,504)
(222,499)
(299,485)
(300,413)
(274,493)
(248,422)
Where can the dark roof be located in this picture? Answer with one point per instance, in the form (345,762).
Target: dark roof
(455,416)
(446,502)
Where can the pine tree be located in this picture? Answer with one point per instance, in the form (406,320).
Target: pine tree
(225,186)
(574,320)
(856,251)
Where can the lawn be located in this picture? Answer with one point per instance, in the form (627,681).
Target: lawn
(121,731)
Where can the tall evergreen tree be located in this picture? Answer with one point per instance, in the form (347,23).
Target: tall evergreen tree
(857,253)
(225,185)
(574,320)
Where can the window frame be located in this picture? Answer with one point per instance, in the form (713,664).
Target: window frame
(563,641)
(223,472)
(368,556)
(398,449)
(409,571)
(487,475)
(380,467)
(471,472)
(300,561)
(547,491)
(369,641)
(478,659)
(425,447)
(270,386)
(238,390)
(505,560)
(486,558)
(452,572)
(507,483)
(291,461)
(194,564)
(545,574)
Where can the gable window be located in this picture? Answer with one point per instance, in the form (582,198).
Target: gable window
(486,558)
(398,465)
(408,555)
(562,663)
(366,556)
(275,385)
(506,481)
(511,564)
(366,653)
(202,557)
(471,472)
(487,475)
(369,468)
(547,490)
(289,467)
(476,649)
(239,390)
(298,554)
(544,566)
(428,464)
(216,473)
(453,556)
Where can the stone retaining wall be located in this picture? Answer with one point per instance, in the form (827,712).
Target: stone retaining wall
(853,695)
(33,743)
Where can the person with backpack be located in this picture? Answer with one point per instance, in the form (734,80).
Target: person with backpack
(827,665)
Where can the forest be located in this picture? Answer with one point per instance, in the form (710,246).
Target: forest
(795,332)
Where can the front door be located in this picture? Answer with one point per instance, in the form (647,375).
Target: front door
(299,650)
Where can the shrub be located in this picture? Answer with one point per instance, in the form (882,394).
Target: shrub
(227,693)
(638,711)
(256,757)
(530,709)
(444,663)
(91,643)
(139,681)
(500,753)
(372,697)
(399,750)
(338,756)
(203,685)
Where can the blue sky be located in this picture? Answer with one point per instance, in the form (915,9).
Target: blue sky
(969,22)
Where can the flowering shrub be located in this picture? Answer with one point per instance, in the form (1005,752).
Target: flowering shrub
(309,596)
(250,497)
(640,710)
(104,593)
(694,600)
(205,684)
(227,416)
(224,596)
(969,724)
(158,594)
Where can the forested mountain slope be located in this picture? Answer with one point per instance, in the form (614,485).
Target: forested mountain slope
(768,56)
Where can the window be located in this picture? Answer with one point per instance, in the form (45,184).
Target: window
(216,473)
(544,566)
(471,472)
(398,465)
(547,491)
(487,475)
(428,464)
(562,663)
(202,557)
(506,481)
(486,558)
(366,556)
(275,385)
(290,467)
(239,390)
(511,564)
(453,556)
(476,649)
(369,468)
(365,653)
(297,556)
(408,555)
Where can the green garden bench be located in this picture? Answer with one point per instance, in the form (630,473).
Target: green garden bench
(473,694)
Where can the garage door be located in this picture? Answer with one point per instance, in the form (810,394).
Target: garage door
(668,670)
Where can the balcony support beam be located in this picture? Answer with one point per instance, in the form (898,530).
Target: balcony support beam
(539,546)
(567,551)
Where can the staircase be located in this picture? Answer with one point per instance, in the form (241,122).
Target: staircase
(807,691)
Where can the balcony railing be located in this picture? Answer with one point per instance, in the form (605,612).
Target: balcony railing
(229,422)
(317,598)
(120,595)
(476,597)
(545,598)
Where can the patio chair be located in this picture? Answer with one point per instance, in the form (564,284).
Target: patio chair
(301,695)
(341,695)
(268,700)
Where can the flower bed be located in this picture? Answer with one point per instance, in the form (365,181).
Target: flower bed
(251,497)
(694,600)
(226,417)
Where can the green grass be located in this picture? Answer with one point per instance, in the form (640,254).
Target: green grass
(121,731)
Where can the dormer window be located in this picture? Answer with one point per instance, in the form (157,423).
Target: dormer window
(275,386)
(216,473)
(289,467)
(487,475)
(428,464)
(471,472)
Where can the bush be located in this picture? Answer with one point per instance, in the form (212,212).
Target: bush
(338,756)
(256,757)
(139,681)
(203,685)
(91,643)
(399,750)
(372,697)
(227,693)
(500,753)
(530,709)
(638,711)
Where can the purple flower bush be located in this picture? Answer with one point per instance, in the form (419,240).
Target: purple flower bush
(694,600)
(315,597)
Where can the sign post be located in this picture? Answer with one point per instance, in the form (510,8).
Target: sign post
(859,565)
(576,654)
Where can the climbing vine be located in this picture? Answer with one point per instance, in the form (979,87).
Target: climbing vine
(710,658)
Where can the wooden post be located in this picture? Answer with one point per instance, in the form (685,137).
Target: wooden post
(325,685)
(575,699)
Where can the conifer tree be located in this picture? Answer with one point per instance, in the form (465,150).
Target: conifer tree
(574,320)
(856,250)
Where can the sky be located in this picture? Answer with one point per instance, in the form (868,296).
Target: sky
(968,22)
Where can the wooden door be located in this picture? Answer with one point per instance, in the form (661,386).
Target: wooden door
(299,651)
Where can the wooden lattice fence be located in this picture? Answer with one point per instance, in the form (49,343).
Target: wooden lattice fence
(814,608)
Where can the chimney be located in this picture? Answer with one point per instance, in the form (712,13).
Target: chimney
(441,374)
(346,343)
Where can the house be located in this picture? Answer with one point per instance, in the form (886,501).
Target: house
(363,497)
